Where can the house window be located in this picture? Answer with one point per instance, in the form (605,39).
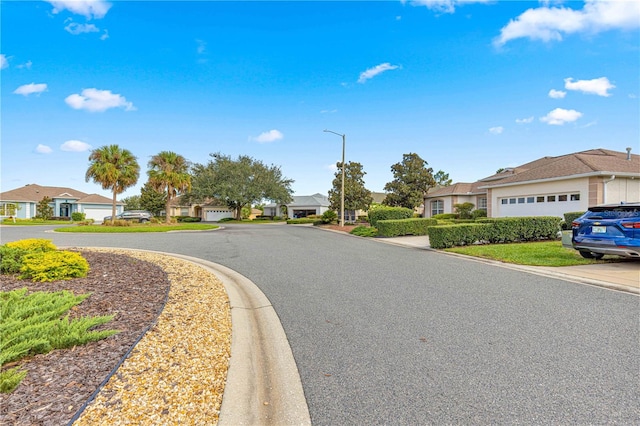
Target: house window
(551,198)
(530,200)
(437,207)
(540,199)
(512,200)
(504,201)
(184,212)
(575,197)
(562,198)
(482,203)
(521,200)
(7,209)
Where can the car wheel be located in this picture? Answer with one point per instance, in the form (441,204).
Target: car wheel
(143,221)
(590,255)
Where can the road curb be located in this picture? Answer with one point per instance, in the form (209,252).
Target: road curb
(263,384)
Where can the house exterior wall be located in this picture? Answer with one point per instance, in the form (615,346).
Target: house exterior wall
(621,189)
(540,199)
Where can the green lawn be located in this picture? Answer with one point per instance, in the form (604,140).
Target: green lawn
(29,222)
(146,227)
(545,253)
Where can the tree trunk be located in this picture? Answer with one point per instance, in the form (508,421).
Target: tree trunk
(113,207)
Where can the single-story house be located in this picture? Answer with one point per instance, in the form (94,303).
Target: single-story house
(549,186)
(301,206)
(22,202)
(209,211)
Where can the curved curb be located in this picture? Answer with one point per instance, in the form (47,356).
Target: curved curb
(263,384)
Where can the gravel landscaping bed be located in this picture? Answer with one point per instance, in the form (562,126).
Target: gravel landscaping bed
(175,374)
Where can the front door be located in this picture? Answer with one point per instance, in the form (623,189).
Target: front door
(65,210)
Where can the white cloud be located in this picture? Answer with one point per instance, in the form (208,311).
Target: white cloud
(75,146)
(4,62)
(551,23)
(332,167)
(524,120)
(597,86)
(28,89)
(75,28)
(559,116)
(95,100)
(202,46)
(270,136)
(105,35)
(557,94)
(43,149)
(444,6)
(328,111)
(496,130)
(87,8)
(26,65)
(374,71)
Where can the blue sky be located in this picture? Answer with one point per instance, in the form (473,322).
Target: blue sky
(470,86)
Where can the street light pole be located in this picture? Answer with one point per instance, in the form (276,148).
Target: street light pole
(343,165)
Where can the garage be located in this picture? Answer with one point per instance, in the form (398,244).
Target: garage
(97,214)
(216,215)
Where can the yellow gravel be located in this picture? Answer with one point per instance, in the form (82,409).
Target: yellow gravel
(177,372)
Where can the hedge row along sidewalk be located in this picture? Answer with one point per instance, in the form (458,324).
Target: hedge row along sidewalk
(177,372)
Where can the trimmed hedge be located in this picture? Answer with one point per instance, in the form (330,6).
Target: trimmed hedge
(495,230)
(415,226)
(570,217)
(302,220)
(388,213)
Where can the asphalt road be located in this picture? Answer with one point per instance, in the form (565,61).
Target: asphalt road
(384,334)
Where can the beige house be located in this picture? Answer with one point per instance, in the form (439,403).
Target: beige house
(549,186)
(208,211)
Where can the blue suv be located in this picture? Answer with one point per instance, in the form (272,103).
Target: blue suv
(608,229)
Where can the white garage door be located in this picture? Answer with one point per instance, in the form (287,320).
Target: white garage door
(97,214)
(216,215)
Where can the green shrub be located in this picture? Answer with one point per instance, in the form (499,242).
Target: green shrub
(53,266)
(444,216)
(329,216)
(33,244)
(77,216)
(477,214)
(188,219)
(388,213)
(11,259)
(226,219)
(32,324)
(300,221)
(456,235)
(364,231)
(495,230)
(413,226)
(570,217)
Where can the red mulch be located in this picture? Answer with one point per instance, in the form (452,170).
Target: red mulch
(60,382)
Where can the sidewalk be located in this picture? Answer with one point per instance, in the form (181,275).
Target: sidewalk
(622,276)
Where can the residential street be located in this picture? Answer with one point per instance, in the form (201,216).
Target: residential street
(384,334)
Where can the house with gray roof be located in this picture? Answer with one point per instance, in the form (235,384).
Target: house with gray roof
(22,202)
(301,206)
(549,186)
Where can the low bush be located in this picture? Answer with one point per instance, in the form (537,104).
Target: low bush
(414,226)
(570,217)
(495,230)
(300,221)
(388,213)
(77,216)
(329,216)
(226,219)
(188,219)
(53,266)
(444,216)
(11,259)
(33,244)
(364,231)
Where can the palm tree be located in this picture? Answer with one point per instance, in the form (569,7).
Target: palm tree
(114,168)
(169,172)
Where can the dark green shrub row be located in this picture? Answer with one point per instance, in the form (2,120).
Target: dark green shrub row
(570,217)
(187,219)
(495,230)
(364,231)
(302,220)
(414,226)
(388,213)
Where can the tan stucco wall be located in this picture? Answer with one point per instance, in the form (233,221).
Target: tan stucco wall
(622,189)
